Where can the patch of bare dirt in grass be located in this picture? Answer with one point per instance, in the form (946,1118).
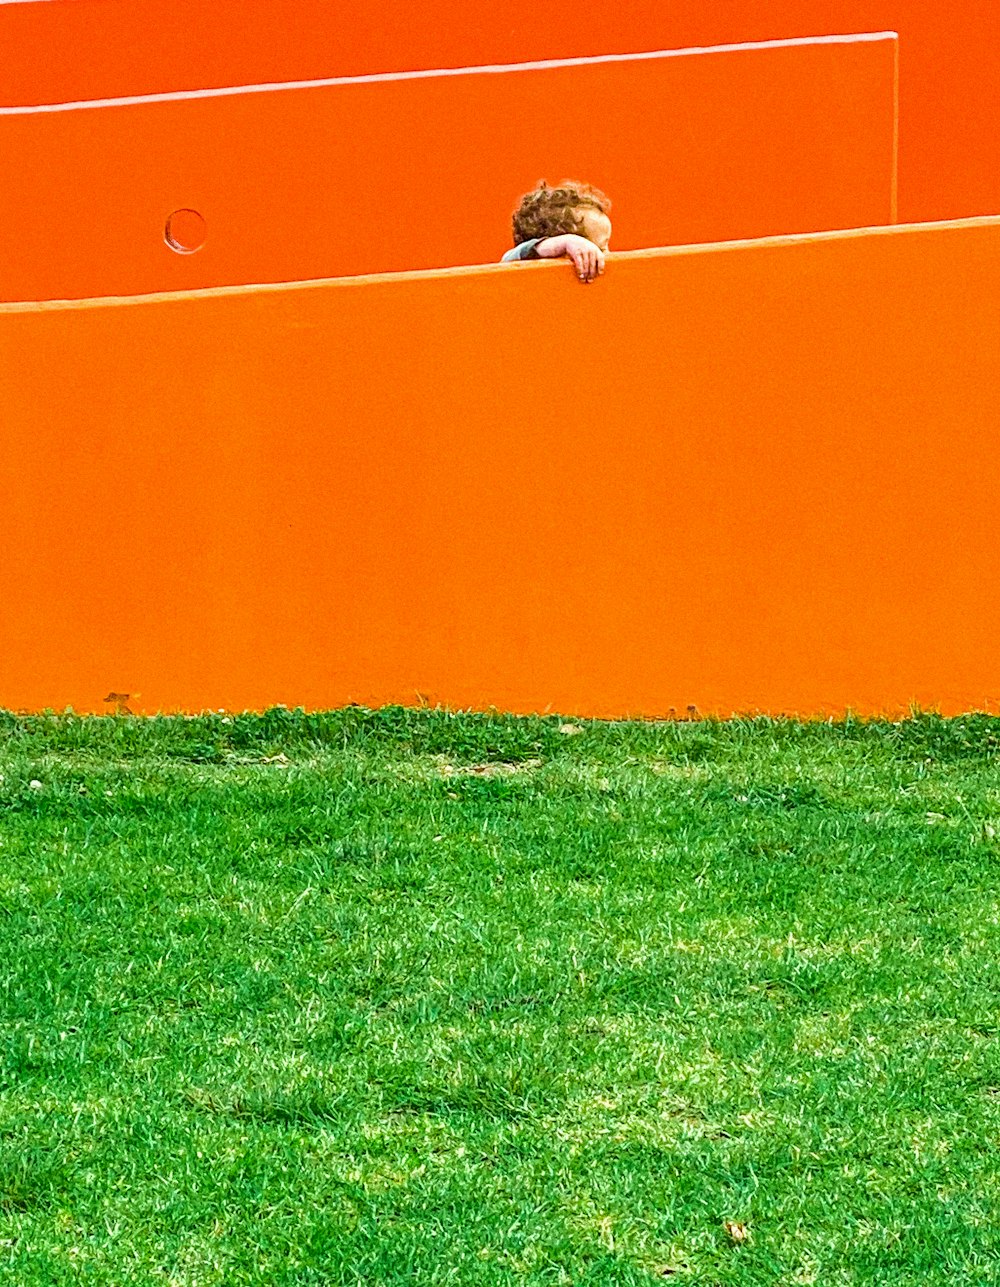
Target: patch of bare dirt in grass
(667,769)
(490,769)
(443,768)
(439,768)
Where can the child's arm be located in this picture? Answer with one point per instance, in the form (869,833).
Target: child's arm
(587,259)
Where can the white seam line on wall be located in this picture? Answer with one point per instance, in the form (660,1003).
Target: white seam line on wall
(894,189)
(779,240)
(488,69)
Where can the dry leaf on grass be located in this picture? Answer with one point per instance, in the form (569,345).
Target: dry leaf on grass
(737,1231)
(570,730)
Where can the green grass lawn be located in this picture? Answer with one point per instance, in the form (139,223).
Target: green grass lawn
(414,998)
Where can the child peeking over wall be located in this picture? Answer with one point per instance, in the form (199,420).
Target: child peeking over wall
(571,221)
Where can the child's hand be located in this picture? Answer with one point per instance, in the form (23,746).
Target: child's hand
(588,260)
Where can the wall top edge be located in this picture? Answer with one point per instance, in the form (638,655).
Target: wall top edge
(792,240)
(436,73)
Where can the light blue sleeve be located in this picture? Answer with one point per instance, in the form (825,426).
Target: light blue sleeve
(525,250)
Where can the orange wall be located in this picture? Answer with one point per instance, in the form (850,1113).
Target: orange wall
(742,477)
(61,50)
(353,178)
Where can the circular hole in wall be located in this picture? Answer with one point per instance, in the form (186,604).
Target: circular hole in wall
(185,231)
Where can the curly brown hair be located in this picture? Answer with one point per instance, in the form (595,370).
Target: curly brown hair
(547,212)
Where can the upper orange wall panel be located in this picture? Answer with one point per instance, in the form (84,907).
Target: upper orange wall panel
(751,477)
(372,176)
(61,50)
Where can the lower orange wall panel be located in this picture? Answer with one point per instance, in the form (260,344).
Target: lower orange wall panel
(746,477)
(318,181)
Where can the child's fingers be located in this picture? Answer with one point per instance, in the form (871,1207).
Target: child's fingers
(588,262)
(593,264)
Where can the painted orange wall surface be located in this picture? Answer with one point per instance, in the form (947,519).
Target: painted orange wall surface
(62,50)
(744,477)
(343,179)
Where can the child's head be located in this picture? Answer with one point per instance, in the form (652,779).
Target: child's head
(572,207)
